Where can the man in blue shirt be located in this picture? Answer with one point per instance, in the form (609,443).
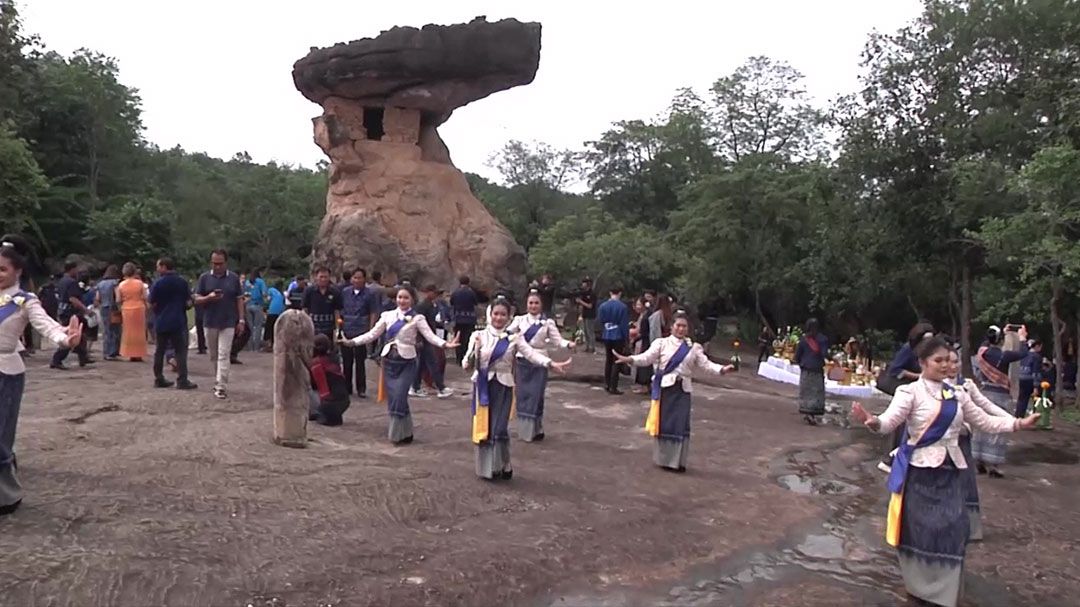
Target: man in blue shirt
(614,319)
(275,309)
(220,293)
(463,301)
(358,313)
(256,291)
(169,295)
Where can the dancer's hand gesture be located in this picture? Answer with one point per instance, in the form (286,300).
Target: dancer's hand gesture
(623,360)
(860,415)
(560,367)
(74,332)
(454,342)
(1028,422)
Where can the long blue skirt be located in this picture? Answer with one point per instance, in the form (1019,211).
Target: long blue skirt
(11,392)
(673,444)
(934,534)
(530,383)
(398,379)
(971,490)
(493,454)
(991,448)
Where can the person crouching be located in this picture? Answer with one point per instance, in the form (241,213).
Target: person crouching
(329,390)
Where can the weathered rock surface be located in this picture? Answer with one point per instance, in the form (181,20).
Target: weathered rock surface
(396,203)
(294,339)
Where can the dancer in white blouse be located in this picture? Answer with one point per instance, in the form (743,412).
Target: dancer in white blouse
(675,358)
(530,380)
(17,309)
(492,352)
(927,521)
(971,483)
(399,360)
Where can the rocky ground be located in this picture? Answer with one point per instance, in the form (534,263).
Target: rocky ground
(138,496)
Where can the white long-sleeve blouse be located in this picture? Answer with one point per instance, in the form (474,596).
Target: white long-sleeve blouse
(662,350)
(482,344)
(30,311)
(405,340)
(918,403)
(547,337)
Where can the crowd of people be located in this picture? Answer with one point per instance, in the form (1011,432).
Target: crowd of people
(946,427)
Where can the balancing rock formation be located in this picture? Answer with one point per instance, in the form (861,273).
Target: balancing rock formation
(294,340)
(396,202)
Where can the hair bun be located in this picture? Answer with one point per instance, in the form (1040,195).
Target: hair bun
(17,242)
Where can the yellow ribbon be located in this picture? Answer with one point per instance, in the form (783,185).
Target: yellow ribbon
(380,396)
(652,422)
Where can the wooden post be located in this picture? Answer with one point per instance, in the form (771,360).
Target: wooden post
(294,337)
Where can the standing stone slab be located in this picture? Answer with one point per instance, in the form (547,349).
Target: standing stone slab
(294,337)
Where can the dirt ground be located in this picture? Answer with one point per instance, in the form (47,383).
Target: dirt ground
(137,496)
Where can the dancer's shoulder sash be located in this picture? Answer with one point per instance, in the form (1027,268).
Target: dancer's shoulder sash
(934,432)
(398,325)
(11,307)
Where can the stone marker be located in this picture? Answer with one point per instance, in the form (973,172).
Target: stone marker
(294,337)
(396,201)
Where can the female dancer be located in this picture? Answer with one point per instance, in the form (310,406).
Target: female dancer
(399,359)
(993,363)
(927,522)
(810,355)
(530,380)
(641,344)
(18,309)
(492,351)
(971,485)
(675,358)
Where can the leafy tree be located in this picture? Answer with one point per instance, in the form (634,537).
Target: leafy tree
(1042,239)
(21,184)
(763,108)
(737,226)
(129,228)
(595,244)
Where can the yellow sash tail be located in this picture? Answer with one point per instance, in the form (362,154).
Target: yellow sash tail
(380,396)
(479,421)
(892,521)
(652,423)
(513,402)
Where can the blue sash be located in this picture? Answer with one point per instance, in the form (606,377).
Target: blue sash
(501,347)
(11,307)
(531,332)
(395,328)
(676,360)
(933,433)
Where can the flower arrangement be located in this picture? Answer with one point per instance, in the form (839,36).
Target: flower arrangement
(18,300)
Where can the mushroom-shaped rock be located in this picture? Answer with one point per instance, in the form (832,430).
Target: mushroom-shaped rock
(396,203)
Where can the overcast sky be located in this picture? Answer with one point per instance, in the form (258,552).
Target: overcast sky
(215,75)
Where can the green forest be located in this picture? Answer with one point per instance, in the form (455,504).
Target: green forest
(944,188)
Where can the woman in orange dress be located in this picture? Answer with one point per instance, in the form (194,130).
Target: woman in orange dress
(131,296)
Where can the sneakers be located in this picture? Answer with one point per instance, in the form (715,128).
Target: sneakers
(445,393)
(186,385)
(220,393)
(421,393)
(161,382)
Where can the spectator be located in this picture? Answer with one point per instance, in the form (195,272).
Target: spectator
(169,296)
(221,294)
(586,299)
(614,318)
(69,296)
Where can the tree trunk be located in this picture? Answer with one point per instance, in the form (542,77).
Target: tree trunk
(965,320)
(757,307)
(1059,328)
(1076,402)
(914,308)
